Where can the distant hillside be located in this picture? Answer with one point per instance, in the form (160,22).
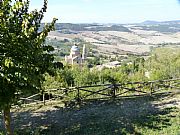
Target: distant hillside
(68,27)
(163,27)
(148,22)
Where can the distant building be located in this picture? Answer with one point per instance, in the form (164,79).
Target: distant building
(112,64)
(75,57)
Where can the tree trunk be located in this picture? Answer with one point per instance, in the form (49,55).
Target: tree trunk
(7,121)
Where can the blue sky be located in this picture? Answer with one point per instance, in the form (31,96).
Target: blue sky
(109,11)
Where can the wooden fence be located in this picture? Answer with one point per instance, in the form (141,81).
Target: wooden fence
(82,93)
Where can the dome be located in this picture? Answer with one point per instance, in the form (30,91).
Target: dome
(74,48)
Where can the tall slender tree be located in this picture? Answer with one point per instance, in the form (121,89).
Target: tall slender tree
(24,57)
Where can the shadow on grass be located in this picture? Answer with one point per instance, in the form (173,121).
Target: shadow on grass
(98,117)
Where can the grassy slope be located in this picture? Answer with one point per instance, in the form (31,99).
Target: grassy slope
(138,115)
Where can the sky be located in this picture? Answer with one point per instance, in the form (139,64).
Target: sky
(109,11)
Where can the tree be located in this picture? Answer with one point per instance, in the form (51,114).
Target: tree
(24,57)
(164,63)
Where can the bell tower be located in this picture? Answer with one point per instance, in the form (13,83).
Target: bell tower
(84,53)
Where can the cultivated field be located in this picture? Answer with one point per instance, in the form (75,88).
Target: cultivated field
(136,40)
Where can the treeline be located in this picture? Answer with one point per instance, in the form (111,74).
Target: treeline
(164,63)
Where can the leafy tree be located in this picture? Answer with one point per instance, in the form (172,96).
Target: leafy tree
(94,61)
(23,56)
(65,76)
(164,63)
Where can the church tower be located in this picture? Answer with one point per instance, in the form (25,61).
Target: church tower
(75,57)
(84,53)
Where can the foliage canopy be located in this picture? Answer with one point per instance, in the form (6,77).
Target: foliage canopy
(23,56)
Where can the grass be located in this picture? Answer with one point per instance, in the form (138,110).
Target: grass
(158,115)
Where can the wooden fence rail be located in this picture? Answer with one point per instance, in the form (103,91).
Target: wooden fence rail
(110,90)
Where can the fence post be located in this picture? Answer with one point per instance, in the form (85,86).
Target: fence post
(114,91)
(151,88)
(78,96)
(170,84)
(43,98)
